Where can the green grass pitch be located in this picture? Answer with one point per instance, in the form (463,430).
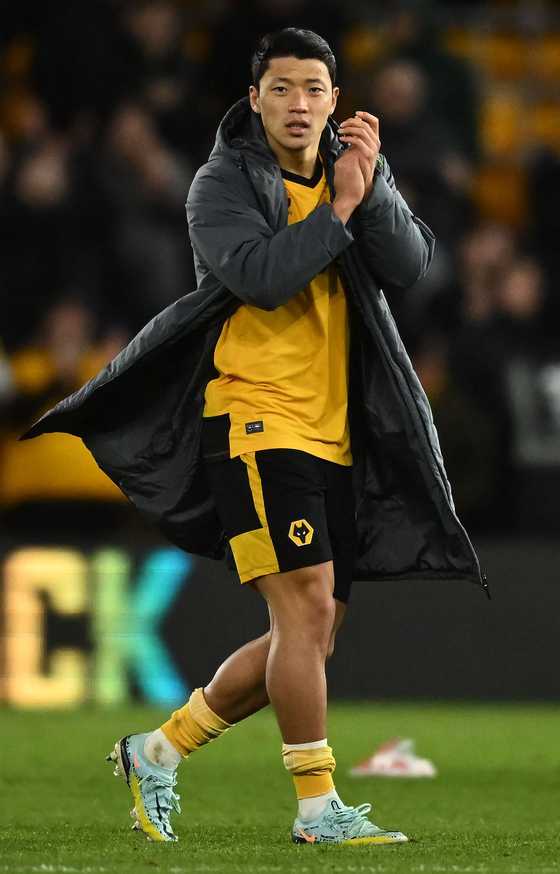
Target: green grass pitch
(493,808)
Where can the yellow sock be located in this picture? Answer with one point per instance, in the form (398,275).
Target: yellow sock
(193,725)
(311,770)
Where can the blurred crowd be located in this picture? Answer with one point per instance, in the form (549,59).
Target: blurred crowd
(107,107)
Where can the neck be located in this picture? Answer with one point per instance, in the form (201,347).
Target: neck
(302,163)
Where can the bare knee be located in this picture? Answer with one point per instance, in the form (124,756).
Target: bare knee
(313,600)
(318,607)
(301,602)
(313,613)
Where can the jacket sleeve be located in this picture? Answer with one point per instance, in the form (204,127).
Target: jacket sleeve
(396,245)
(266,269)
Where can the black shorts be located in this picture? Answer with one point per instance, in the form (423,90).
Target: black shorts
(283,509)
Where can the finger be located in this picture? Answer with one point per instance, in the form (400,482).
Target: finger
(357,124)
(365,120)
(366,161)
(353,123)
(350,139)
(354,119)
(366,173)
(355,135)
(363,153)
(370,119)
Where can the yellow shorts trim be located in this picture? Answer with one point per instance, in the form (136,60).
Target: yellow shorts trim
(254,551)
(254,554)
(255,482)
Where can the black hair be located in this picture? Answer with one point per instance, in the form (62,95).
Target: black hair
(292,42)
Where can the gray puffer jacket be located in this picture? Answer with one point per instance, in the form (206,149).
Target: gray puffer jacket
(141,416)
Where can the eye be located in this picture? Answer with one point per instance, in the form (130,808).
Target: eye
(316,90)
(281,88)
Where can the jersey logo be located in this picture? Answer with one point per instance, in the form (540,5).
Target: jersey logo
(254,427)
(301,533)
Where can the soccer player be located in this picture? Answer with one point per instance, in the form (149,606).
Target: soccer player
(275,436)
(276,403)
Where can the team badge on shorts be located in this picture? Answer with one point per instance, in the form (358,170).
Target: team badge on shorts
(301,533)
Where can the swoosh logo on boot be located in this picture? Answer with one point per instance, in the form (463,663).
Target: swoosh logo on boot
(310,840)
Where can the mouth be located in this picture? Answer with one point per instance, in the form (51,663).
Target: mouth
(297,128)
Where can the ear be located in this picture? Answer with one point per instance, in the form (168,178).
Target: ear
(254,98)
(335,93)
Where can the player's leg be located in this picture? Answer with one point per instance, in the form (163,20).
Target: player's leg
(304,620)
(300,598)
(247,491)
(303,608)
(148,761)
(296,682)
(238,688)
(302,605)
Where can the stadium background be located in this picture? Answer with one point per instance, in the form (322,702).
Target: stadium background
(107,107)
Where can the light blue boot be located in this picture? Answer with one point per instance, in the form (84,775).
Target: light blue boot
(338,824)
(151,787)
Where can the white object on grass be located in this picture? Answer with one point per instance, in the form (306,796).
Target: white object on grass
(396,758)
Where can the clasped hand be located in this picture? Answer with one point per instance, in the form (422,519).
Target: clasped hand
(355,168)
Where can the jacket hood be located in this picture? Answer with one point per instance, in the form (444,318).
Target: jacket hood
(242,131)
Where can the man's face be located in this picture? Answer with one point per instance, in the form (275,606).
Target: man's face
(295,99)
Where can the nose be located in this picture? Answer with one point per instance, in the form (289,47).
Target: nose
(298,102)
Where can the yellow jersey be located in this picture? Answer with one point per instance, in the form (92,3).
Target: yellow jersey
(283,375)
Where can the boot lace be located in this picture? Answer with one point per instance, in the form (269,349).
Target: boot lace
(353,820)
(168,800)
